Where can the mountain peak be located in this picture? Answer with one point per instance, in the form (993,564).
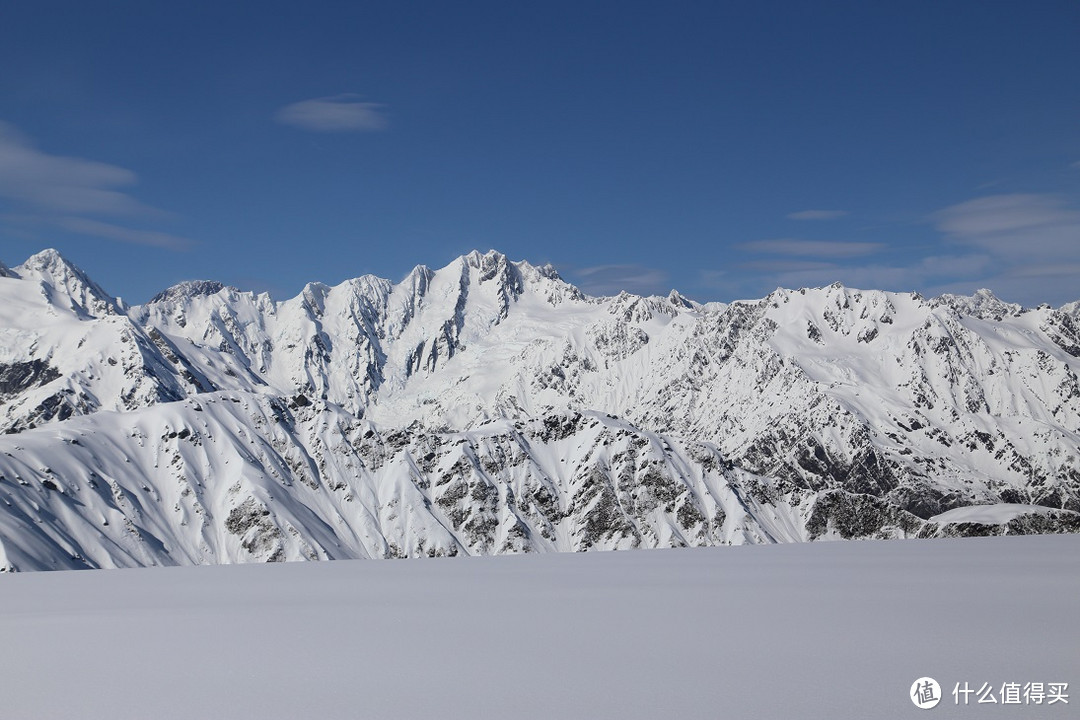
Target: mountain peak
(51,263)
(676,298)
(981,304)
(477,259)
(515,274)
(490,265)
(547,270)
(55,270)
(48,260)
(188,289)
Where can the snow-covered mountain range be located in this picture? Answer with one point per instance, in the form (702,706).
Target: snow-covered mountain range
(491,407)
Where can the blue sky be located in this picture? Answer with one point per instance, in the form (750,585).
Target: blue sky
(721,148)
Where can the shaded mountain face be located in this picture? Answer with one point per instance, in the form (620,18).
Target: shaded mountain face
(490,407)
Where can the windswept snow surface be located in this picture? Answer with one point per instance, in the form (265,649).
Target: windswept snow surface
(832,630)
(998,514)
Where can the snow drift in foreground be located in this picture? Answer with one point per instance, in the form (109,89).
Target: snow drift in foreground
(824,630)
(489,407)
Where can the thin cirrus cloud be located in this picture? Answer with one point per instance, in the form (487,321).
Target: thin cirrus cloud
(812,248)
(817,214)
(34,178)
(1017,227)
(1032,241)
(1025,247)
(758,277)
(782,265)
(58,191)
(605,280)
(338,113)
(96,228)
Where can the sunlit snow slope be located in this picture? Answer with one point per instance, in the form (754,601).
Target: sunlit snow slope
(490,407)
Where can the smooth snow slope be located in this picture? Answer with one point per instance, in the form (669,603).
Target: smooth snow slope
(835,630)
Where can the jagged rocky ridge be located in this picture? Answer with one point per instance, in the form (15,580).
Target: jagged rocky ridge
(491,407)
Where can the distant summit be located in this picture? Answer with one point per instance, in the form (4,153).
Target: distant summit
(187,290)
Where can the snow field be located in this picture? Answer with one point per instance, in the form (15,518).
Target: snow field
(825,630)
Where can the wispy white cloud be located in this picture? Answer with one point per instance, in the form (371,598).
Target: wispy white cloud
(613,279)
(812,248)
(1022,228)
(1024,246)
(59,183)
(1032,240)
(56,190)
(1070,270)
(96,228)
(785,265)
(817,214)
(757,277)
(338,113)
(711,278)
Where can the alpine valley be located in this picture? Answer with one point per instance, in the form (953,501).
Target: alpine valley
(491,407)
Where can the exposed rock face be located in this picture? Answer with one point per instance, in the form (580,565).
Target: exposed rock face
(490,407)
